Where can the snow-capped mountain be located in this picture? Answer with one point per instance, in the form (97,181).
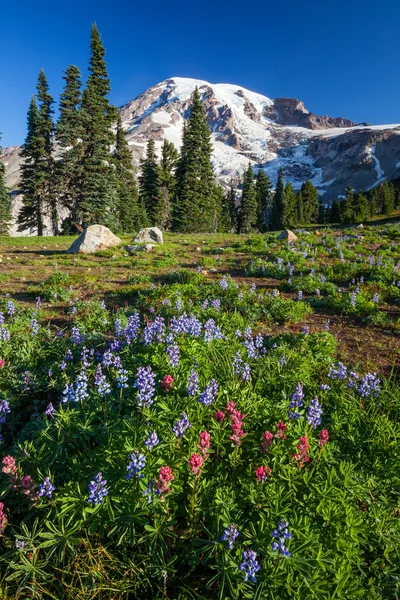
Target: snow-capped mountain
(247,126)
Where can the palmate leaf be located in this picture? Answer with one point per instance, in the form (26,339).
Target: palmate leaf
(125,527)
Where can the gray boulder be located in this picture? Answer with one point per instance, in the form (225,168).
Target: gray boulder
(149,235)
(144,248)
(94,238)
(287,235)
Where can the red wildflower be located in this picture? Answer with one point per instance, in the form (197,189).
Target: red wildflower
(267,440)
(165,476)
(2,363)
(204,444)
(219,416)
(262,473)
(301,456)
(167,383)
(323,438)
(281,428)
(195,463)
(3,518)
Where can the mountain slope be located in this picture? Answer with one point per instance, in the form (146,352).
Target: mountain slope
(247,126)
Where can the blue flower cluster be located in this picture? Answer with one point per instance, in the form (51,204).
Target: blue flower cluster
(193,383)
(314,412)
(296,401)
(210,393)
(281,534)
(136,464)
(154,331)
(230,534)
(249,565)
(181,425)
(151,441)
(145,383)
(46,488)
(97,490)
(173,354)
(212,331)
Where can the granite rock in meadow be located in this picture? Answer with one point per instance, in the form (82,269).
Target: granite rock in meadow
(94,238)
(149,235)
(287,235)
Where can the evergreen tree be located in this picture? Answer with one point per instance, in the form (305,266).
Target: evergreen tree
(69,135)
(195,198)
(233,208)
(149,185)
(278,203)
(347,206)
(360,207)
(248,205)
(290,206)
(334,216)
(225,218)
(221,210)
(37,170)
(97,198)
(5,202)
(263,197)
(168,162)
(387,198)
(129,218)
(321,212)
(309,195)
(300,209)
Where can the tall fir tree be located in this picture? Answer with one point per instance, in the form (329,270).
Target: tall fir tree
(334,213)
(233,208)
(195,198)
(149,185)
(167,168)
(69,135)
(37,171)
(278,203)
(248,203)
(309,194)
(289,206)
(264,200)
(129,217)
(387,197)
(360,207)
(300,209)
(347,206)
(5,201)
(97,200)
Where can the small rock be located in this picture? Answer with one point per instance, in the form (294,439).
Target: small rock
(213,270)
(287,235)
(198,249)
(149,235)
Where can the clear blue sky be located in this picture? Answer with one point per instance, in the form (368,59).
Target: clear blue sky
(340,57)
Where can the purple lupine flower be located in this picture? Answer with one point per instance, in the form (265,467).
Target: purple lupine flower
(249,565)
(150,492)
(375,298)
(173,354)
(11,310)
(46,488)
(145,383)
(240,296)
(2,318)
(212,331)
(369,385)
(122,379)
(223,283)
(216,304)
(49,410)
(63,365)
(283,361)
(34,325)
(305,330)
(181,425)
(296,401)
(4,334)
(281,533)
(27,382)
(204,306)
(68,355)
(76,336)
(178,304)
(97,490)
(193,383)
(314,412)
(299,295)
(151,441)
(353,299)
(324,387)
(210,393)
(154,331)
(136,464)
(252,351)
(131,331)
(19,544)
(339,372)
(230,534)
(193,326)
(100,381)
(4,410)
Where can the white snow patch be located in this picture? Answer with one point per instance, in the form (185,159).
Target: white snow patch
(380,174)
(161,117)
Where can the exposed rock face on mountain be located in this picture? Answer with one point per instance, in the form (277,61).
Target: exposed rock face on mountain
(247,126)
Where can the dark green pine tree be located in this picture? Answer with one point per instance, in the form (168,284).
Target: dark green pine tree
(264,200)
(195,198)
(233,208)
(97,200)
(167,168)
(387,194)
(289,206)
(37,171)
(309,194)
(69,135)
(5,202)
(321,212)
(347,206)
(360,207)
(149,184)
(248,203)
(225,218)
(300,209)
(334,213)
(278,204)
(129,217)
